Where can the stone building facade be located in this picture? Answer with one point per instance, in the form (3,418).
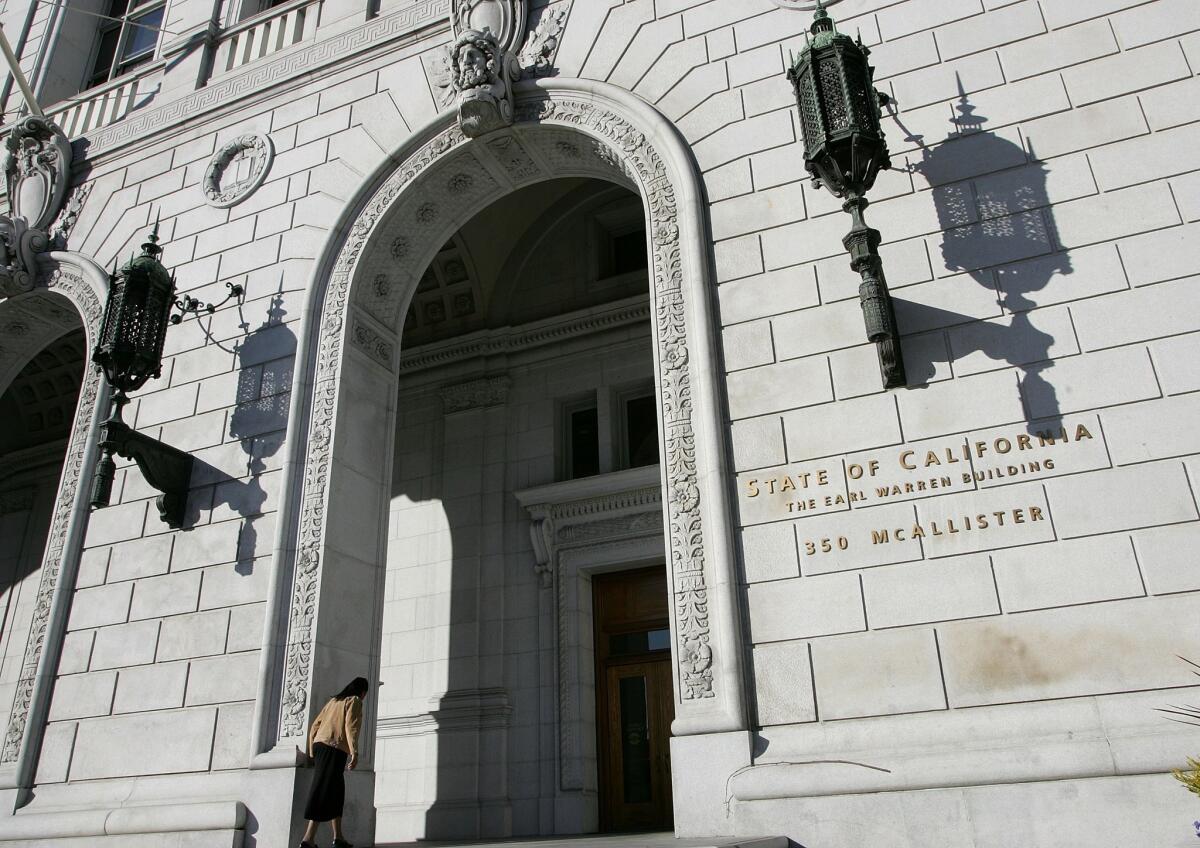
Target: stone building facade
(547,406)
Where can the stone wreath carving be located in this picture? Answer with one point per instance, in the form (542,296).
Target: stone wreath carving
(686,536)
(237,170)
(73,286)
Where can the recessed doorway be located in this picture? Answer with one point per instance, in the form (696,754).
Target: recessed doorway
(634,702)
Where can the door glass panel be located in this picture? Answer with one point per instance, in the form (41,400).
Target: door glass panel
(635,742)
(641,642)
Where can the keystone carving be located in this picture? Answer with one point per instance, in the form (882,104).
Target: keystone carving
(482,74)
(37,166)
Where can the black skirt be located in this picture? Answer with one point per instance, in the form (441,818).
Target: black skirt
(328,793)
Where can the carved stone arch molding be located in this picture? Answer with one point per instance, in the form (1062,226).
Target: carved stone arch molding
(84,284)
(366,277)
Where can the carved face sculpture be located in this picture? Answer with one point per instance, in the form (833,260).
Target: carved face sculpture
(473,61)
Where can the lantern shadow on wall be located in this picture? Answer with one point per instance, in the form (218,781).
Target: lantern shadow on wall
(258,421)
(999,231)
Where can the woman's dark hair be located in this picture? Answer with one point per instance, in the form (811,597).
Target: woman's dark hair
(356,687)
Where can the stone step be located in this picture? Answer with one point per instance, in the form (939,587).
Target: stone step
(613,840)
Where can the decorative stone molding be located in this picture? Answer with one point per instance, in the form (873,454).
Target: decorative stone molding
(64,225)
(619,511)
(37,168)
(537,56)
(81,281)
(504,19)
(509,341)
(698,529)
(372,343)
(604,507)
(490,391)
(237,170)
(458,710)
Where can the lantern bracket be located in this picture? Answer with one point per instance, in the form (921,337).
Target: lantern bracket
(189,305)
(167,469)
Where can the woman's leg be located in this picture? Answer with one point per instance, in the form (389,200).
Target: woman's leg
(337,828)
(310,832)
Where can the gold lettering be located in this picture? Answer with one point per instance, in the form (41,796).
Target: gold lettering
(787,485)
(999,518)
(1019,516)
(1023,442)
(903,456)
(1081,432)
(1003,445)
(854,470)
(982,521)
(1035,513)
(931,459)
(752,487)
(917,532)
(822,477)
(879,537)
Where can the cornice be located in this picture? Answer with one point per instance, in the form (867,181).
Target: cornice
(510,340)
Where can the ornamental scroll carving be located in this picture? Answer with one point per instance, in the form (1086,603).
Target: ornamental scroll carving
(76,288)
(37,168)
(637,158)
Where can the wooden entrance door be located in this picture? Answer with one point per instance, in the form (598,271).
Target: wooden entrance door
(635,702)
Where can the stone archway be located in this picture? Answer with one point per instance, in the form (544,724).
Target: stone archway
(84,285)
(348,367)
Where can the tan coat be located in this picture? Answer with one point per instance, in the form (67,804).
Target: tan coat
(337,725)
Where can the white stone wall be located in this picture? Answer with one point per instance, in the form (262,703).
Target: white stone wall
(1065,291)
(444,631)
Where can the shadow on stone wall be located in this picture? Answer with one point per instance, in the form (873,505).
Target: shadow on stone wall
(258,421)
(999,231)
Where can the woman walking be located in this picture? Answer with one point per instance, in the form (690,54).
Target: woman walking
(333,745)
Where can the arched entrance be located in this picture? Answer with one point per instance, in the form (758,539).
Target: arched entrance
(63,313)
(325,624)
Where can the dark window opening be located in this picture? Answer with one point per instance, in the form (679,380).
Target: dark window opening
(629,252)
(641,432)
(584,443)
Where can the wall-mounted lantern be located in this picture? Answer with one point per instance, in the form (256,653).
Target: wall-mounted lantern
(129,351)
(844,150)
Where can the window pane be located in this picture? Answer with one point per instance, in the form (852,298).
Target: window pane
(585,443)
(118,7)
(104,56)
(141,39)
(641,432)
(629,252)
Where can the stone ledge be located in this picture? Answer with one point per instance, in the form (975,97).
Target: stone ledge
(225,817)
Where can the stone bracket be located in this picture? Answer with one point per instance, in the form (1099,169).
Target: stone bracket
(165,468)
